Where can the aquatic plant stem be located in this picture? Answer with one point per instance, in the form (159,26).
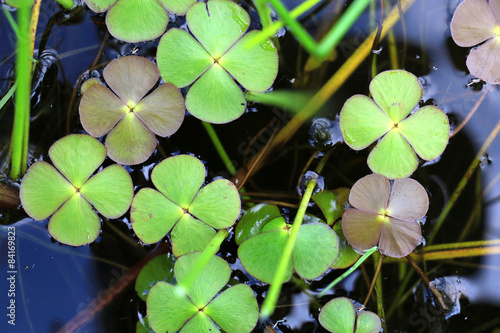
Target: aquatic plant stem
(330,87)
(219,147)
(19,146)
(278,279)
(210,250)
(428,282)
(264,13)
(332,284)
(463,182)
(471,113)
(377,271)
(331,39)
(269,31)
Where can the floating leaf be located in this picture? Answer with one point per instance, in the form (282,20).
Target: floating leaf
(252,222)
(160,268)
(261,253)
(215,57)
(136,21)
(395,94)
(385,214)
(180,206)
(234,310)
(133,118)
(339,316)
(475,22)
(44,191)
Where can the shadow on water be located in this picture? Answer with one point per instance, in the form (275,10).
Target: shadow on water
(55,282)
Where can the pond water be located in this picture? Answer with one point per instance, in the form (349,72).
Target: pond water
(56,282)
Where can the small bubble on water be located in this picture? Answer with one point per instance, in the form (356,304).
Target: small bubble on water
(324,132)
(484,160)
(308,176)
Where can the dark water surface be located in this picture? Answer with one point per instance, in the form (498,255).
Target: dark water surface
(55,282)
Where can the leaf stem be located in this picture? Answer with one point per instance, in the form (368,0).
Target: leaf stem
(278,280)
(219,147)
(377,271)
(428,282)
(349,271)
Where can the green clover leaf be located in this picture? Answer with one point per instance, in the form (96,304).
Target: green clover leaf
(68,192)
(395,94)
(262,234)
(136,21)
(339,316)
(216,56)
(233,310)
(181,205)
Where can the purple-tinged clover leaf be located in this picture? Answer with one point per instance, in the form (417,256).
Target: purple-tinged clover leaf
(68,192)
(214,58)
(475,22)
(233,310)
(128,116)
(181,205)
(395,94)
(136,21)
(385,213)
(339,316)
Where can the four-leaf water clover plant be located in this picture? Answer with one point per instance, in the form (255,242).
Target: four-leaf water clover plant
(128,116)
(217,55)
(385,212)
(68,192)
(180,205)
(395,94)
(136,21)
(233,310)
(339,316)
(261,235)
(475,22)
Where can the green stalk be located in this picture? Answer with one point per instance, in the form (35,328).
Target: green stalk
(220,148)
(271,30)
(264,13)
(296,28)
(8,95)
(202,261)
(463,182)
(278,280)
(20,131)
(335,35)
(349,271)
(331,39)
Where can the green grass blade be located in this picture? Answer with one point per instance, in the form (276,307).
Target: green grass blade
(335,35)
(271,30)
(22,96)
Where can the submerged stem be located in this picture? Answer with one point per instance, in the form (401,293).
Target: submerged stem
(463,182)
(219,147)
